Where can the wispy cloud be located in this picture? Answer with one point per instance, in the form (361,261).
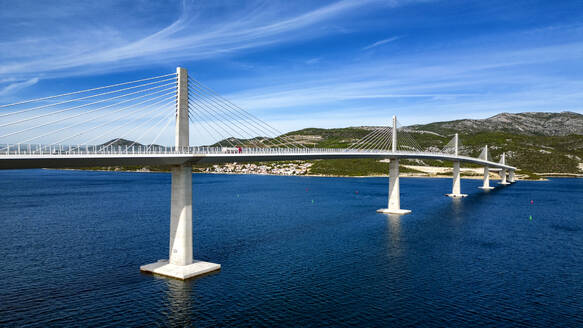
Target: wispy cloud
(189,37)
(449,86)
(313,61)
(381,42)
(15,86)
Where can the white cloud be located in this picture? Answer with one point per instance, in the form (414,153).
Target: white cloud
(381,42)
(15,86)
(191,37)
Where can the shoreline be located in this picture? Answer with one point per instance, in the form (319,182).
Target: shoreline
(403,175)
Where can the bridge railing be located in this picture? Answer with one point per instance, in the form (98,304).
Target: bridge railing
(62,150)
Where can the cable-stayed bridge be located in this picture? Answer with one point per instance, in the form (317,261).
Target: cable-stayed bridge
(161,115)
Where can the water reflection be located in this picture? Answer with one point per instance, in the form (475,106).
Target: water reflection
(394,234)
(457,208)
(179,302)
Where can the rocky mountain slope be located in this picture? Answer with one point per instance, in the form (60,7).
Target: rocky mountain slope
(530,123)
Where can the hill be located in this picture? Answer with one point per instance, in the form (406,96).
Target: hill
(530,123)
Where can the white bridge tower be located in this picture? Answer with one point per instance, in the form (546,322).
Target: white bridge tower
(456,187)
(486,181)
(394,206)
(180,264)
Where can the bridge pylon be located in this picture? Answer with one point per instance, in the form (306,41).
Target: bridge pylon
(503,171)
(486,180)
(394,206)
(456,186)
(180,263)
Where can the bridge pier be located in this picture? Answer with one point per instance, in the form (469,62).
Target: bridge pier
(511,176)
(503,171)
(456,187)
(180,264)
(486,181)
(503,177)
(394,206)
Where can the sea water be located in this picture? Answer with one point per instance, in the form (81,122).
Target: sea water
(294,251)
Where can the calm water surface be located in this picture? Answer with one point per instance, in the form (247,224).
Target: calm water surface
(295,251)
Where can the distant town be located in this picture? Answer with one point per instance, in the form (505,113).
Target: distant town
(285,168)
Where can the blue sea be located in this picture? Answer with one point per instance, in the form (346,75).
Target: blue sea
(295,251)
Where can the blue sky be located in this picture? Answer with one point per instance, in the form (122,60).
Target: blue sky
(300,64)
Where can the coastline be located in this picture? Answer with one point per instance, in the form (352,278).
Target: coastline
(403,175)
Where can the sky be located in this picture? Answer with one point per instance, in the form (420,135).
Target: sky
(299,64)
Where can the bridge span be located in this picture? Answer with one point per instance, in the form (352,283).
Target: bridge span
(199,155)
(381,143)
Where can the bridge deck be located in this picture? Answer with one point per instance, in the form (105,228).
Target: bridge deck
(63,160)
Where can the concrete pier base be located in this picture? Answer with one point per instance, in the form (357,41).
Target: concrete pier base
(394,192)
(390,211)
(182,272)
(456,186)
(503,178)
(456,195)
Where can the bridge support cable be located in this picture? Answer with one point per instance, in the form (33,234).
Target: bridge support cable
(159,111)
(454,146)
(370,139)
(88,97)
(405,141)
(379,143)
(236,129)
(204,125)
(89,104)
(485,154)
(170,120)
(242,122)
(221,123)
(373,141)
(252,129)
(69,127)
(205,121)
(83,91)
(367,141)
(156,106)
(97,110)
(383,138)
(164,118)
(388,141)
(272,130)
(66,118)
